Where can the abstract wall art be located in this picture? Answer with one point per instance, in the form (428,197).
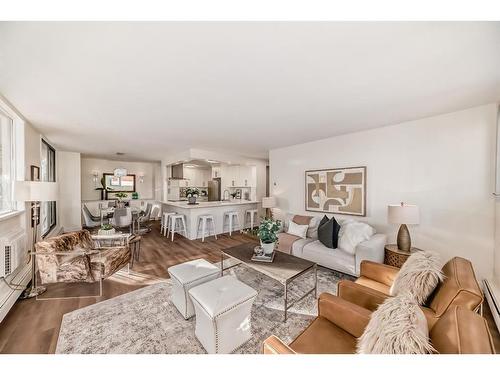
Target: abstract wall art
(337,191)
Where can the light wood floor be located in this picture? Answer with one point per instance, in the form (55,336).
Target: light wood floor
(33,326)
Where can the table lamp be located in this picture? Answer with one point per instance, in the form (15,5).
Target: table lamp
(403,214)
(34,192)
(268,203)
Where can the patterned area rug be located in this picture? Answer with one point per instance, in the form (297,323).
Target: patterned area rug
(145,321)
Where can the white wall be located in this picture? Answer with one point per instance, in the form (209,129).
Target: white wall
(146,189)
(69,204)
(444,164)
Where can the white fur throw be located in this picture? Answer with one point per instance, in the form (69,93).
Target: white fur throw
(398,326)
(352,233)
(419,276)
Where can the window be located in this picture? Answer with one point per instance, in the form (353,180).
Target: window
(6,163)
(48,173)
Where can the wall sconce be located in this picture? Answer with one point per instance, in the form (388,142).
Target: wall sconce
(95,176)
(141,178)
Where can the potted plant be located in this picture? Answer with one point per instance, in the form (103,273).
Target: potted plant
(192,194)
(268,234)
(120,195)
(106,229)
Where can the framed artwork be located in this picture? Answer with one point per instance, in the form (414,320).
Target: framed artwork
(35,173)
(119,184)
(336,191)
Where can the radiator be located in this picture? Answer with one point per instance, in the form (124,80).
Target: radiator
(13,252)
(492,295)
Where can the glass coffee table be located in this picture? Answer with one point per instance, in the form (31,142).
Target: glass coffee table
(285,268)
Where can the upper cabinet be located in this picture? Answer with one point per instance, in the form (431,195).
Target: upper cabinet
(240,176)
(216,172)
(197,177)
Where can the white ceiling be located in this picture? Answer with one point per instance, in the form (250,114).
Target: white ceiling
(150,89)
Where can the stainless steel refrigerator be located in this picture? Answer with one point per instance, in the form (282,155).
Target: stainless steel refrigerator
(214,189)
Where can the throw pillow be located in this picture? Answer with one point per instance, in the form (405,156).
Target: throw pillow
(297,230)
(328,232)
(301,219)
(419,276)
(325,232)
(352,233)
(398,326)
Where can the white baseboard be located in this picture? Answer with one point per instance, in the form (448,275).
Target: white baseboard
(8,296)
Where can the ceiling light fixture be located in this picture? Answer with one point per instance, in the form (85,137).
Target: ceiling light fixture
(120,172)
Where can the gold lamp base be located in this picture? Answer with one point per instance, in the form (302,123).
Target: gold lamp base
(404,240)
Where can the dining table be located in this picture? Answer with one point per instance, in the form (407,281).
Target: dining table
(137,213)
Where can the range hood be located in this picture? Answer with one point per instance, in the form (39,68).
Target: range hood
(177,172)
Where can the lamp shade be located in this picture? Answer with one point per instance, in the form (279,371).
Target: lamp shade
(34,191)
(120,172)
(268,202)
(403,214)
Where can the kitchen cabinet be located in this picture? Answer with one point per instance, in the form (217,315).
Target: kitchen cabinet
(233,175)
(245,176)
(197,177)
(241,176)
(216,172)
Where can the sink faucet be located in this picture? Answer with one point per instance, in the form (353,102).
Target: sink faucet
(224,195)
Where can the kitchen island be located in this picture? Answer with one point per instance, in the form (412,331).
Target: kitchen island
(215,208)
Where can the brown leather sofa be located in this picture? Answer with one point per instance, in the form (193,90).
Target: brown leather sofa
(340,323)
(459,288)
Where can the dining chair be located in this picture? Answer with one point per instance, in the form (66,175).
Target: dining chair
(90,220)
(122,218)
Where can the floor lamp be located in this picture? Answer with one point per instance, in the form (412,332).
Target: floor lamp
(269,203)
(34,192)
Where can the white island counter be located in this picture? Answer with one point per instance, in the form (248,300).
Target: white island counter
(216,208)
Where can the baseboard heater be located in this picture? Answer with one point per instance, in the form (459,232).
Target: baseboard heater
(492,294)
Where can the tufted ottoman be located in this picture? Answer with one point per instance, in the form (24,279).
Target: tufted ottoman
(185,276)
(223,308)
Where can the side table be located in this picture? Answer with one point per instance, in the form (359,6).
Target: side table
(395,257)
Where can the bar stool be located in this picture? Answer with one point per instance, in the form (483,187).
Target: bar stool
(204,219)
(177,219)
(165,225)
(252,213)
(233,219)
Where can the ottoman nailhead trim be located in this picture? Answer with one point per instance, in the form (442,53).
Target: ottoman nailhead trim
(214,318)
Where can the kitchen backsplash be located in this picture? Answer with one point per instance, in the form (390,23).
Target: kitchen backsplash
(203,192)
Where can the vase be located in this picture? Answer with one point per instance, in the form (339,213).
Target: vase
(268,247)
(120,204)
(192,200)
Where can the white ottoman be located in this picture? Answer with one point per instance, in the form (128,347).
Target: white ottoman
(223,309)
(186,275)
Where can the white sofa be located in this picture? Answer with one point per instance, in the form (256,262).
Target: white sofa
(312,249)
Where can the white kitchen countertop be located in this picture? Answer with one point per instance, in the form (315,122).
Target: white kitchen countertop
(184,204)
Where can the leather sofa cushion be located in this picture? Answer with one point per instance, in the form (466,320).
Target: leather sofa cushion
(460,331)
(324,337)
(459,288)
(373,284)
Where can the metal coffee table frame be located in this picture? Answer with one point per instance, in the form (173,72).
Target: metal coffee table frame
(285,283)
